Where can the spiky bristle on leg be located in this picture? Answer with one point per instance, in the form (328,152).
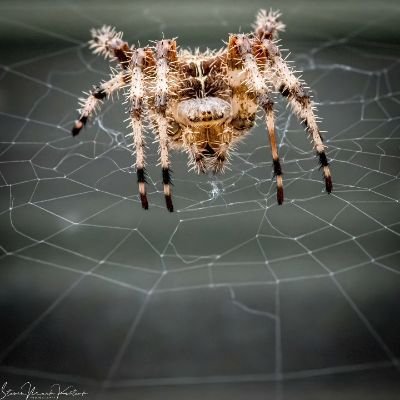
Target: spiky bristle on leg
(95,98)
(108,42)
(268,24)
(294,90)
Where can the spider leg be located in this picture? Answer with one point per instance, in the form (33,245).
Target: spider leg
(108,42)
(284,80)
(136,97)
(165,56)
(240,47)
(267,105)
(268,24)
(96,97)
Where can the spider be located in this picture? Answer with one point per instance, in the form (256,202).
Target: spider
(202,102)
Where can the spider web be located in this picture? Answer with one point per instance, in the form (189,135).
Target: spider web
(231,294)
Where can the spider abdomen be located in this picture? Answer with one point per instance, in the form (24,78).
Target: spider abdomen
(203,112)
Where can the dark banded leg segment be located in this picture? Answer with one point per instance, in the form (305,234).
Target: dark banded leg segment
(267,105)
(136,101)
(303,107)
(290,86)
(164,160)
(167,182)
(327,173)
(95,99)
(279,182)
(165,55)
(141,178)
(78,125)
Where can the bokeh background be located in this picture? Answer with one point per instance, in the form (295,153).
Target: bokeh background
(230,297)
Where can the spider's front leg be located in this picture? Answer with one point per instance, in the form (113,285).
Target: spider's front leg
(166,58)
(108,42)
(141,59)
(251,90)
(279,73)
(96,97)
(268,24)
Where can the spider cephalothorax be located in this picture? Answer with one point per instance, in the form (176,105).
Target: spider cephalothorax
(202,102)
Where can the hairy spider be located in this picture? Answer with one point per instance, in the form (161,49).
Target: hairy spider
(202,102)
